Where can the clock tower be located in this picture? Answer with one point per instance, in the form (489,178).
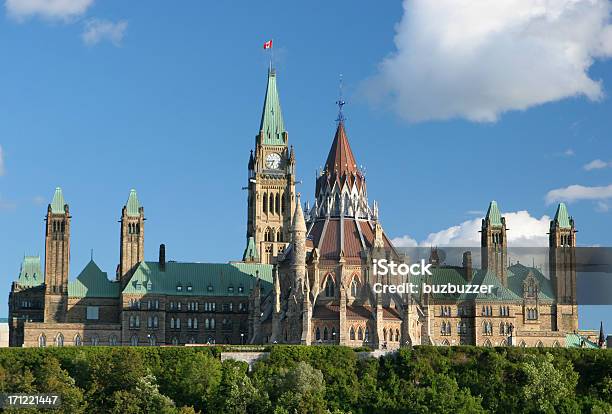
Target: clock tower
(271,184)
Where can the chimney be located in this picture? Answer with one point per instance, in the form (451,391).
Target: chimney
(467,265)
(162,257)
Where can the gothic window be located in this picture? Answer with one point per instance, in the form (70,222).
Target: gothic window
(112,341)
(318,334)
(488,344)
(329,287)
(271,205)
(150,322)
(325,334)
(178,323)
(366,337)
(397,335)
(384,334)
(278,204)
(134,340)
(333,333)
(279,236)
(502,329)
(42,341)
(77,340)
(360,334)
(189,323)
(540,344)
(352,333)
(59,339)
(174,340)
(445,343)
(267,235)
(284,202)
(265,203)
(354,287)
(522,344)
(95,340)
(212,323)
(195,323)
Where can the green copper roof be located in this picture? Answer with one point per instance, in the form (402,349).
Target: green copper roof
(58,203)
(92,282)
(577,341)
(493,214)
(250,253)
(499,292)
(30,274)
(562,217)
(517,273)
(133,205)
(199,279)
(272,123)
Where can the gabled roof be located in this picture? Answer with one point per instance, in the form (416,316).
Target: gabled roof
(58,203)
(272,125)
(30,274)
(517,273)
(562,217)
(199,279)
(499,292)
(93,283)
(493,214)
(250,253)
(573,340)
(133,205)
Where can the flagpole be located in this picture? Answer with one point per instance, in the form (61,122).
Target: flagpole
(271,54)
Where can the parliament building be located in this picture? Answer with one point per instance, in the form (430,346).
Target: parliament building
(305,276)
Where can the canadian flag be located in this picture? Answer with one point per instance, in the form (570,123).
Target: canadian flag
(268,44)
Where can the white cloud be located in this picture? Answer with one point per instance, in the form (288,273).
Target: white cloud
(597,164)
(524,231)
(98,30)
(602,207)
(1,161)
(579,192)
(48,9)
(479,58)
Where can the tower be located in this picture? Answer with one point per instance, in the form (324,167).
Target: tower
(494,243)
(57,258)
(132,237)
(562,262)
(271,186)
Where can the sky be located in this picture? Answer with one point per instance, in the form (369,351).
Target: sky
(450,104)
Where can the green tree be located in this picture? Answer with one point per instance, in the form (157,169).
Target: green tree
(302,389)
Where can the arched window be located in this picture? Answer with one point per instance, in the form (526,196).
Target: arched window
(503,343)
(283,203)
(360,334)
(318,334)
(155,321)
(352,333)
(42,340)
(488,344)
(367,335)
(329,287)
(540,344)
(212,323)
(152,340)
(445,343)
(171,323)
(189,323)
(271,203)
(195,323)
(265,202)
(333,333)
(59,339)
(279,235)
(77,340)
(178,323)
(354,287)
(397,335)
(502,329)
(112,341)
(267,235)
(174,340)
(134,340)
(325,334)
(95,341)
(556,345)
(277,203)
(384,334)
(522,344)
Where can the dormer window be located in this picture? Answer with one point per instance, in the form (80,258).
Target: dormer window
(240,289)
(210,288)
(179,288)
(230,289)
(189,288)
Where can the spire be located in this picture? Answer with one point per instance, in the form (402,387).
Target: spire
(133,205)
(250,253)
(298,218)
(272,125)
(562,217)
(602,338)
(340,158)
(58,204)
(493,214)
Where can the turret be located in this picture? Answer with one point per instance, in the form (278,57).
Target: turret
(494,243)
(131,250)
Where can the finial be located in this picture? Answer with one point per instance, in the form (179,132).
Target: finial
(91,254)
(340,102)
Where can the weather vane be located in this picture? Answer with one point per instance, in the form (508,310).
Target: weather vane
(340,102)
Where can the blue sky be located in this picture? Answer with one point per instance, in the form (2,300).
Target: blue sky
(166,99)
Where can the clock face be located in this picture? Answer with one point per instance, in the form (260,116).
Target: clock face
(273,161)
